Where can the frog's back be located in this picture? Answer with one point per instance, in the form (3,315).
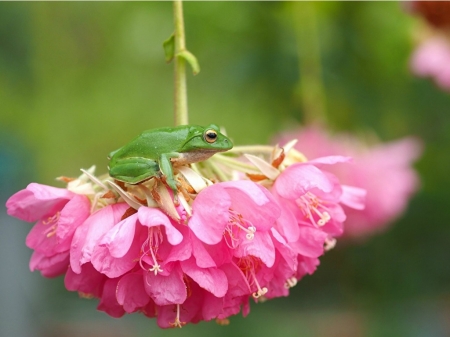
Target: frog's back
(153,143)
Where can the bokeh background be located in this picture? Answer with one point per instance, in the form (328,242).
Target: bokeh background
(78,80)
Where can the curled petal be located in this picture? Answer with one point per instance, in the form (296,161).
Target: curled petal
(37,201)
(154,217)
(119,238)
(50,266)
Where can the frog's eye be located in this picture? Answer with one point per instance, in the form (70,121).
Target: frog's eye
(210,136)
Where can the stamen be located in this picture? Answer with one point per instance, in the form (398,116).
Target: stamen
(310,206)
(261,291)
(177,322)
(52,219)
(151,245)
(248,266)
(291,282)
(236,219)
(330,243)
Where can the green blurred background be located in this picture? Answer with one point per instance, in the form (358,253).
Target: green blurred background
(78,80)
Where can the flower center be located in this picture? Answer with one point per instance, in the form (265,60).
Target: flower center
(312,208)
(237,223)
(149,249)
(52,222)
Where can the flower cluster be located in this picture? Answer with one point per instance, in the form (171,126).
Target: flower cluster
(250,230)
(384,170)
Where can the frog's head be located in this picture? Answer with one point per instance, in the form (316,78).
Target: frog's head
(207,138)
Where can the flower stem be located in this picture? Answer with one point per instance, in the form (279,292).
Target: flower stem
(311,88)
(180,90)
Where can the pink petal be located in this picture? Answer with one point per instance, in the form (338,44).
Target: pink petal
(113,267)
(37,201)
(108,302)
(119,238)
(353,197)
(37,239)
(310,242)
(131,292)
(211,279)
(72,215)
(330,160)
(298,179)
(89,281)
(287,223)
(51,266)
(254,202)
(202,257)
(166,290)
(261,246)
(210,214)
(154,217)
(89,233)
(237,283)
(211,307)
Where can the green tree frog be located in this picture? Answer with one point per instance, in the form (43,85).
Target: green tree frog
(154,152)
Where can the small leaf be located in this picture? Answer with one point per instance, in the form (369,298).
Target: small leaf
(169,48)
(191,59)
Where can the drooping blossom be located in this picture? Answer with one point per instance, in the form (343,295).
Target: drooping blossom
(384,170)
(248,234)
(58,213)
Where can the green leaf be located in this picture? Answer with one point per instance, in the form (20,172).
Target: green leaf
(169,48)
(191,59)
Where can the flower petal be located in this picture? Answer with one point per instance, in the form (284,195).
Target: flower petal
(131,293)
(108,302)
(298,179)
(213,279)
(88,234)
(119,238)
(166,290)
(154,217)
(210,214)
(37,201)
(261,246)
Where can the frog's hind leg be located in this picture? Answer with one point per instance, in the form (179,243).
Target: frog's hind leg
(134,170)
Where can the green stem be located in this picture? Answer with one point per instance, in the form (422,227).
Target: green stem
(180,92)
(311,88)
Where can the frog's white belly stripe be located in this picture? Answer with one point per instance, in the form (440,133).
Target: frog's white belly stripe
(191,157)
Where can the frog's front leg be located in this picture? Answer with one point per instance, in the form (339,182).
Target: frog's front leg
(165,166)
(134,170)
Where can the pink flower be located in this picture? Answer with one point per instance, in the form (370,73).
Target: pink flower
(224,244)
(432,59)
(58,213)
(383,170)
